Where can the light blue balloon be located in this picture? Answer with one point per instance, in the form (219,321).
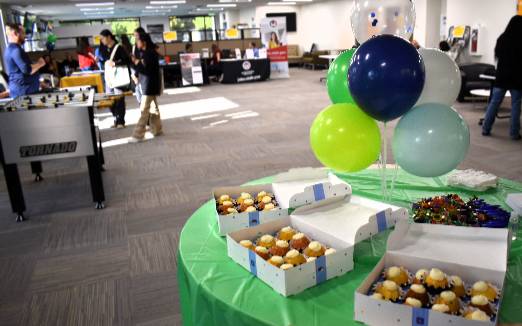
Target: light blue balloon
(430,140)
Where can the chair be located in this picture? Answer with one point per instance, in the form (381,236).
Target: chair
(293,55)
(470,74)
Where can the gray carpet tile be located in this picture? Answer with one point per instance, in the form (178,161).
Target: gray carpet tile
(73,265)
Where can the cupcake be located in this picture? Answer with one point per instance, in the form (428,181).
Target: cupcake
(377,296)
(299,241)
(450,299)
(418,291)
(223,208)
(436,281)
(262,252)
(247,244)
(440,307)
(250,209)
(286,266)
(249,202)
(231,210)
(314,249)
(397,274)
(481,302)
(286,233)
(420,276)
(264,201)
(277,261)
(476,315)
(260,195)
(485,289)
(266,241)
(268,207)
(329,251)
(294,257)
(223,198)
(243,196)
(412,302)
(457,286)
(280,249)
(310,259)
(389,290)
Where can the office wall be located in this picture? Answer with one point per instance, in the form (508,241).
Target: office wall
(76,31)
(492,15)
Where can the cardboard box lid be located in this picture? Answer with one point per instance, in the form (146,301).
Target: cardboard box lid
(515,202)
(474,247)
(343,220)
(288,185)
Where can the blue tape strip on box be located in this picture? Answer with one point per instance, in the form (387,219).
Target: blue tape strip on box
(253,219)
(319,192)
(420,317)
(381,222)
(253,265)
(320,269)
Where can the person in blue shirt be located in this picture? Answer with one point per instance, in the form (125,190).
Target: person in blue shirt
(23,74)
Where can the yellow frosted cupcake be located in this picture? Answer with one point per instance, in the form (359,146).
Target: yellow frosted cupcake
(277,261)
(294,257)
(286,233)
(440,307)
(485,289)
(314,249)
(450,299)
(266,241)
(397,274)
(247,244)
(437,280)
(476,315)
(389,290)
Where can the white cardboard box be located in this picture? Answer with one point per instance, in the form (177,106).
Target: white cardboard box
(338,224)
(475,254)
(295,188)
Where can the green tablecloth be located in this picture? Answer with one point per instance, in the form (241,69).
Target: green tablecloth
(214,290)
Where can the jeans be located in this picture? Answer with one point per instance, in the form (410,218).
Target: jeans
(497,96)
(118,109)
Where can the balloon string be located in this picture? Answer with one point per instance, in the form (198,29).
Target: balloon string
(395,174)
(385,161)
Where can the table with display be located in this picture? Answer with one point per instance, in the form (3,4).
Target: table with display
(244,70)
(215,290)
(94,79)
(49,126)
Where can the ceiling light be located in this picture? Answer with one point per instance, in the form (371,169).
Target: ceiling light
(224,5)
(160,7)
(99,13)
(166,2)
(296,1)
(281,3)
(97,9)
(229,1)
(157,10)
(95,4)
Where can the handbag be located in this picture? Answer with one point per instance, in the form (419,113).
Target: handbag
(117,76)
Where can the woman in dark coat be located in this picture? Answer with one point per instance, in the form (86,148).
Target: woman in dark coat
(148,69)
(509,77)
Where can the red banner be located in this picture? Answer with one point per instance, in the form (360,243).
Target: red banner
(279,54)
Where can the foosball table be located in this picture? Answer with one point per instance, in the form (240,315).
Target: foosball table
(50,126)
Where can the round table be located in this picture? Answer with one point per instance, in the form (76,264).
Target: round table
(214,290)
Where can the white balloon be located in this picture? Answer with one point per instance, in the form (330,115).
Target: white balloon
(375,17)
(442,83)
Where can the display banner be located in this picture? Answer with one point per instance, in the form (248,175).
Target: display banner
(191,72)
(273,37)
(520,7)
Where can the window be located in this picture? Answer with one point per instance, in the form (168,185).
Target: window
(123,26)
(193,28)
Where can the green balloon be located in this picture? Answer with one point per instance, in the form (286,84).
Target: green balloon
(337,78)
(344,138)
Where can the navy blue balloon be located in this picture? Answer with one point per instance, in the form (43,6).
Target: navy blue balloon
(386,77)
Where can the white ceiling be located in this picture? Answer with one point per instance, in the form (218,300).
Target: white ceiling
(67,9)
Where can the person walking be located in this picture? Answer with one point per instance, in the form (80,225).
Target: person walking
(118,57)
(148,70)
(508,52)
(136,52)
